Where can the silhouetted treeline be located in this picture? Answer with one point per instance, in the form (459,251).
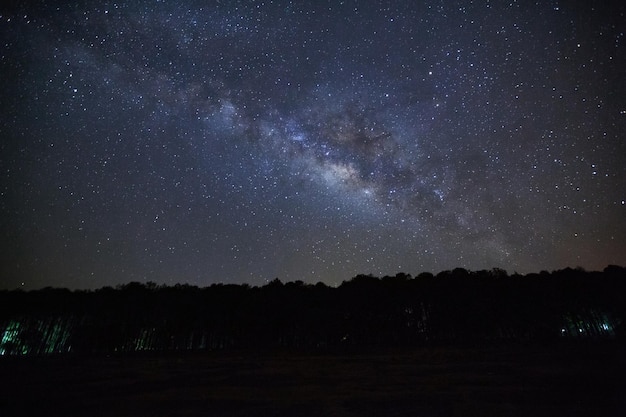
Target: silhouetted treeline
(456,306)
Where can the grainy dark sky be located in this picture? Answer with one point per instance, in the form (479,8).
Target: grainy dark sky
(202,142)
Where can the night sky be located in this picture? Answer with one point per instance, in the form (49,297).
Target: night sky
(239,142)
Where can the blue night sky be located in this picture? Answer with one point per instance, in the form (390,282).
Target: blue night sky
(237,142)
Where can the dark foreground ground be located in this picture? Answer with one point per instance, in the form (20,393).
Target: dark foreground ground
(559,380)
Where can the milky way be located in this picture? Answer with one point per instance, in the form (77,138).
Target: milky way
(243,141)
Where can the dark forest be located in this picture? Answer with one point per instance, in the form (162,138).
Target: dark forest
(457,307)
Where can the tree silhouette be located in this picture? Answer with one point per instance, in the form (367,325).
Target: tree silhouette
(457,306)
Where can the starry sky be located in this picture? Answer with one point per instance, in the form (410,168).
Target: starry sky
(240,141)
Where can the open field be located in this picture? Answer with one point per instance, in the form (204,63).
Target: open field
(559,380)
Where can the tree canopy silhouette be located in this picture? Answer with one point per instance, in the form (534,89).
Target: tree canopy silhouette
(457,306)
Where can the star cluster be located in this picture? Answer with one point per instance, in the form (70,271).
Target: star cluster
(243,141)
